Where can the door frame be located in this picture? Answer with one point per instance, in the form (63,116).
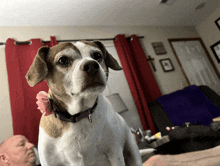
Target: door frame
(191,39)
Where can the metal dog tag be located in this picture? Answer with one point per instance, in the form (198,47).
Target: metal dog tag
(90,118)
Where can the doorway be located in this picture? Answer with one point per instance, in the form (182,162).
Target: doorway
(195,62)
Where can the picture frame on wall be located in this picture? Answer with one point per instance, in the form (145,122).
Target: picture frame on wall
(159,48)
(217,22)
(167,65)
(216,50)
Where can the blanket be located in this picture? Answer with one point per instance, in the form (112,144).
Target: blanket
(189,105)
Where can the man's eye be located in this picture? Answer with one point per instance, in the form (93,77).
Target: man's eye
(21,144)
(64,60)
(97,56)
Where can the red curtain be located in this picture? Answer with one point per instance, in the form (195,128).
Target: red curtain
(25,115)
(139,76)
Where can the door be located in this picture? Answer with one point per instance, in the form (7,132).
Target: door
(196,64)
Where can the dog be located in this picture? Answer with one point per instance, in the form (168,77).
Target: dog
(84,130)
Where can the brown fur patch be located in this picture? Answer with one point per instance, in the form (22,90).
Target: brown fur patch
(57,48)
(109,60)
(53,126)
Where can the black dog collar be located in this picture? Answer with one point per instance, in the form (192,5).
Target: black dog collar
(65,116)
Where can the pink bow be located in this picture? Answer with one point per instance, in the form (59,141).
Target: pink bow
(43,103)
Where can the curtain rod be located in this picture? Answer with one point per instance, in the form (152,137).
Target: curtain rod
(28,42)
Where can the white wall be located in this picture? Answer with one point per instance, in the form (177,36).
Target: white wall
(117,83)
(210,34)
(167,82)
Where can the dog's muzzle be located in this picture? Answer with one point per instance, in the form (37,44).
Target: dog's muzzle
(90,67)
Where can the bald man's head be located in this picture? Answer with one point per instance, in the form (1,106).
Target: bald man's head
(17,150)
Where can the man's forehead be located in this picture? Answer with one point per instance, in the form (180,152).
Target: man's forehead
(17,138)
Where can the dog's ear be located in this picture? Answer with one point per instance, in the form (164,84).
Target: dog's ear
(38,70)
(109,60)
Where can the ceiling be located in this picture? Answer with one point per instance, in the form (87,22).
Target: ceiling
(104,12)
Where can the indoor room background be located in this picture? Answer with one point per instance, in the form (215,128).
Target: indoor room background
(167,81)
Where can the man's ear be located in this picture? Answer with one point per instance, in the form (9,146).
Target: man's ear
(3,160)
(38,70)
(110,61)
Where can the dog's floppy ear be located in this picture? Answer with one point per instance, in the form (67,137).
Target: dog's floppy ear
(109,60)
(38,70)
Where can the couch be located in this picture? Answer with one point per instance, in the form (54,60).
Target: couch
(188,145)
(160,117)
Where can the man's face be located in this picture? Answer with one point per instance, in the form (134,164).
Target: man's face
(19,150)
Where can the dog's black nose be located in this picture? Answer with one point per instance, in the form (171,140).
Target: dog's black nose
(91,67)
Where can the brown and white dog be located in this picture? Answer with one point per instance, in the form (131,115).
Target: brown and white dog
(85,131)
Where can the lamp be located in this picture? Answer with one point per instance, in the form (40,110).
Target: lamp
(117,102)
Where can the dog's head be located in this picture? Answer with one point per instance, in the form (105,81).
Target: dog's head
(72,69)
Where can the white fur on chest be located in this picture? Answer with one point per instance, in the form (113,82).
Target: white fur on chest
(84,143)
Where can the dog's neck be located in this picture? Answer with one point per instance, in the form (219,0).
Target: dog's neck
(74,104)
(81,103)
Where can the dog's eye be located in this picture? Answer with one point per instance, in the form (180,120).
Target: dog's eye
(97,56)
(63,60)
